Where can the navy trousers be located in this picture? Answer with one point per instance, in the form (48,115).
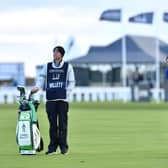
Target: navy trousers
(57,112)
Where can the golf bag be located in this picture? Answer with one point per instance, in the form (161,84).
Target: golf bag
(28,135)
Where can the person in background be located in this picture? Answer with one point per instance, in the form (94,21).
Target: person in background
(166,80)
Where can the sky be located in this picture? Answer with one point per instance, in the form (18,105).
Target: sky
(30,29)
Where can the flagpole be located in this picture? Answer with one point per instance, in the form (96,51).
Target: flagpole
(157,54)
(124,51)
(117,16)
(157,46)
(124,61)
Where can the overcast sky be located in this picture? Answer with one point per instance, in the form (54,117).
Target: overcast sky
(30,29)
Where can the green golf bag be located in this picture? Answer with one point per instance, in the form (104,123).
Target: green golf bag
(28,135)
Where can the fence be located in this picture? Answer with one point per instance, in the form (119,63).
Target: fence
(79,94)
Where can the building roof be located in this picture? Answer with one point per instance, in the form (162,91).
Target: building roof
(140,50)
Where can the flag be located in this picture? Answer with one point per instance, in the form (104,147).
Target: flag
(111,15)
(69,44)
(146,18)
(165,16)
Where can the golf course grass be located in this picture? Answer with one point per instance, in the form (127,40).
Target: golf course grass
(101,135)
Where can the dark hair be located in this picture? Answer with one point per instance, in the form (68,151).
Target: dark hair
(59,49)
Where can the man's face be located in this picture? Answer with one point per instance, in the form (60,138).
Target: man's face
(57,56)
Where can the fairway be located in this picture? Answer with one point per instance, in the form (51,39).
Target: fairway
(101,135)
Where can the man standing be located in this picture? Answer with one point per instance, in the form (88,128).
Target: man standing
(58,78)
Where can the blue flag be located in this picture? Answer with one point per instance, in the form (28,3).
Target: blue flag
(146,18)
(165,16)
(113,15)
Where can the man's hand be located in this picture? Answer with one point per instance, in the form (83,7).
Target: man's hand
(34,90)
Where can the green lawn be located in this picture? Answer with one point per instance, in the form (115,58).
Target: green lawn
(101,135)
